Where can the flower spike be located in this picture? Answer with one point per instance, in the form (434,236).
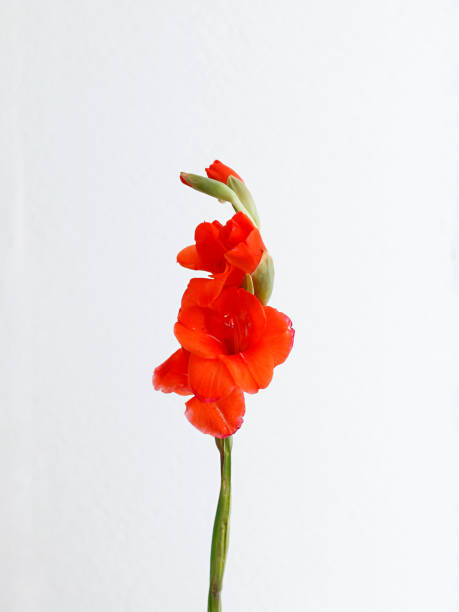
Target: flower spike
(230,340)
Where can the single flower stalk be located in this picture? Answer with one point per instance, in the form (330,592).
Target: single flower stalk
(230,340)
(220,533)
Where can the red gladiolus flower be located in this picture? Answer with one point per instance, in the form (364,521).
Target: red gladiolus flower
(229,346)
(220,172)
(230,340)
(227,251)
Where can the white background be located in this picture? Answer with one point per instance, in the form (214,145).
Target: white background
(340,116)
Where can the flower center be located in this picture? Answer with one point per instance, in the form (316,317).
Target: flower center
(233,330)
(236,333)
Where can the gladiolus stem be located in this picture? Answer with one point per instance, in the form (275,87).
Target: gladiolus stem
(220,533)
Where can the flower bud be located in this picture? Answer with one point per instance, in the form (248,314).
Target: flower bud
(215,189)
(206,185)
(263,278)
(242,192)
(221,172)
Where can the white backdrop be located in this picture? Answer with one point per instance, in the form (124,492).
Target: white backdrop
(341,118)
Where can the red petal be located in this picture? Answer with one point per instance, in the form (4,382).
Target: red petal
(203,291)
(198,342)
(260,363)
(172,375)
(220,172)
(189,258)
(240,372)
(209,379)
(278,336)
(209,246)
(192,333)
(246,255)
(245,309)
(236,229)
(192,316)
(220,419)
(235,277)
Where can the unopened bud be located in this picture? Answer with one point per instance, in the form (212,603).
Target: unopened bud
(263,278)
(215,189)
(206,185)
(242,192)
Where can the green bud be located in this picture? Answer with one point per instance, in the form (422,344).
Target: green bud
(216,189)
(245,196)
(206,185)
(263,278)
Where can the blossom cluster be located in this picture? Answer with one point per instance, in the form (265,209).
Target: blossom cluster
(230,340)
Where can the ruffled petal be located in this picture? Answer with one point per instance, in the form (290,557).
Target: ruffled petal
(219,419)
(172,375)
(247,254)
(236,230)
(209,246)
(192,316)
(203,291)
(190,258)
(209,379)
(240,372)
(198,342)
(260,363)
(278,336)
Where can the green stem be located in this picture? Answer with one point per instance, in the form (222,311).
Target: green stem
(220,534)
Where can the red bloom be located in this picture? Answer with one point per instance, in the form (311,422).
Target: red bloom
(220,172)
(227,251)
(229,346)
